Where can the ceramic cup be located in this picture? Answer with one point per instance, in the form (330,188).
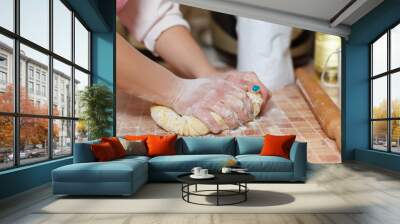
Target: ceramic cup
(226,170)
(196,171)
(203,172)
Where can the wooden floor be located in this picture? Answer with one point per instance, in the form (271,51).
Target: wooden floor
(378,189)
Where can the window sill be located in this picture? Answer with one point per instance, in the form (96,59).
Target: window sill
(30,166)
(390,161)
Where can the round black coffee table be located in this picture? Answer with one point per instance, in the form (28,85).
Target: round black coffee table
(238,179)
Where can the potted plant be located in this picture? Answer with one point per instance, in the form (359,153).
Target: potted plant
(96,102)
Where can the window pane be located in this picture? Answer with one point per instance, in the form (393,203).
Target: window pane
(379,55)
(33,140)
(34,97)
(62,29)
(62,89)
(395,94)
(81,132)
(7,14)
(81,45)
(6,142)
(395,47)
(6,74)
(395,136)
(379,135)
(62,138)
(35,21)
(379,97)
(81,81)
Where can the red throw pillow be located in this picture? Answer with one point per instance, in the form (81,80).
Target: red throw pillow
(116,145)
(161,145)
(277,145)
(103,151)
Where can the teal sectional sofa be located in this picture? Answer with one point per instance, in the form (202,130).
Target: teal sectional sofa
(125,176)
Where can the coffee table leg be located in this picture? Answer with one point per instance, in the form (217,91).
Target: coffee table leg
(182,190)
(195,188)
(217,194)
(188,189)
(245,193)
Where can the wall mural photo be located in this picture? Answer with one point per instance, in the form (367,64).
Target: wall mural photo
(195,72)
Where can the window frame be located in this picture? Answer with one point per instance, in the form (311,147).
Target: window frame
(388,74)
(16,115)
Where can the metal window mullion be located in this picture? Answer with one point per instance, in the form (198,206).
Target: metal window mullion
(16,114)
(389,101)
(41,49)
(50,81)
(371,111)
(386,119)
(16,85)
(73,82)
(89,51)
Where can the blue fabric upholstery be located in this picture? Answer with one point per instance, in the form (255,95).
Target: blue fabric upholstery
(298,155)
(257,163)
(206,145)
(126,175)
(184,163)
(249,145)
(83,152)
(118,177)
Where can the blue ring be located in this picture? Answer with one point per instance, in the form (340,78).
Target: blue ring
(256,88)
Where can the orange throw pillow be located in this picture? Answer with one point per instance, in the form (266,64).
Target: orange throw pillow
(277,145)
(161,145)
(136,137)
(103,152)
(116,145)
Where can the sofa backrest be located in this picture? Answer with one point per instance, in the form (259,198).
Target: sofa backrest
(83,153)
(249,144)
(206,145)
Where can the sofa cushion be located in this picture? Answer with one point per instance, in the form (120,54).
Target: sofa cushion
(136,137)
(134,147)
(257,163)
(112,171)
(277,145)
(185,163)
(134,157)
(116,145)
(206,145)
(249,145)
(103,152)
(83,152)
(161,145)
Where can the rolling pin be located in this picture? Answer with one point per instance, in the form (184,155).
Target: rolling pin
(324,109)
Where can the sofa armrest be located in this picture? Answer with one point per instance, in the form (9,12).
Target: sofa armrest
(83,152)
(298,155)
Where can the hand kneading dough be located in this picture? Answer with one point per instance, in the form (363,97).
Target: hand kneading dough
(184,125)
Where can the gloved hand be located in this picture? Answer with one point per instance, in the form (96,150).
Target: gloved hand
(247,81)
(199,97)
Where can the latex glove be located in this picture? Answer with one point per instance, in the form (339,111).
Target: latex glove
(247,80)
(199,97)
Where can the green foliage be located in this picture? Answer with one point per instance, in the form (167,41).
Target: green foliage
(380,127)
(96,102)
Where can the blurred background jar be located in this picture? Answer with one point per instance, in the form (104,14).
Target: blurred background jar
(327,59)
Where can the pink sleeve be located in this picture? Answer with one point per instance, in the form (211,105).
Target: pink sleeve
(147,19)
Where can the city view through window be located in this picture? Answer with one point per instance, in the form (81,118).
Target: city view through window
(43,69)
(385,92)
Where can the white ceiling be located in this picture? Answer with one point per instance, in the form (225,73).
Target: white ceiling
(327,16)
